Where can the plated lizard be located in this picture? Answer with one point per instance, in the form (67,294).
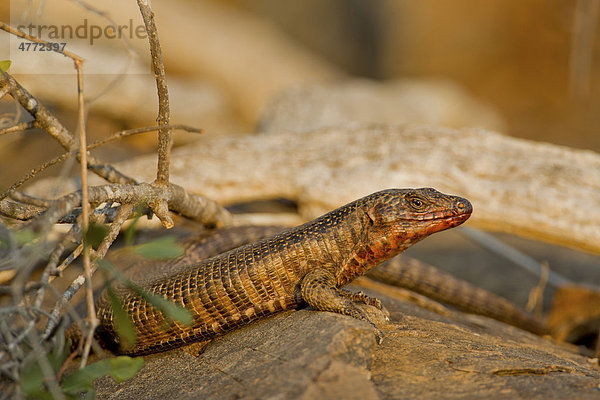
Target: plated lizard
(308,264)
(401,271)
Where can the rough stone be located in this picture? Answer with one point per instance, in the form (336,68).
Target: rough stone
(307,354)
(290,355)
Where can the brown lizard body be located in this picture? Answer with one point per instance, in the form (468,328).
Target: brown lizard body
(401,271)
(304,265)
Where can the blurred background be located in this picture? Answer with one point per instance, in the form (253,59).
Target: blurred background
(537,63)
(529,70)
(526,69)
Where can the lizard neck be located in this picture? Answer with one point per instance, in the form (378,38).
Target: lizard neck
(372,253)
(381,244)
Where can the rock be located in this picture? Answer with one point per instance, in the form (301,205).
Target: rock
(467,356)
(297,354)
(432,101)
(307,354)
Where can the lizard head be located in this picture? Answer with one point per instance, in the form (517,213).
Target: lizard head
(395,219)
(398,218)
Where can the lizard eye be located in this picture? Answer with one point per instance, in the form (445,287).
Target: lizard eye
(416,203)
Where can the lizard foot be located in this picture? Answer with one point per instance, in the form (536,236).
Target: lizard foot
(195,349)
(379,336)
(361,297)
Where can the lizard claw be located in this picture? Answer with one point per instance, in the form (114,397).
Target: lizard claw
(361,297)
(379,336)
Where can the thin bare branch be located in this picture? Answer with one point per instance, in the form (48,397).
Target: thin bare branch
(51,271)
(25,212)
(85,215)
(19,211)
(31,174)
(107,169)
(47,121)
(22,127)
(191,206)
(4,91)
(23,35)
(122,216)
(136,131)
(69,259)
(164,134)
(197,208)
(28,199)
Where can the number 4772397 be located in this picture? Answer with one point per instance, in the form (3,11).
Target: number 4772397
(29,46)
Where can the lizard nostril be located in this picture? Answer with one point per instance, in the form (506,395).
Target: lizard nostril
(463,205)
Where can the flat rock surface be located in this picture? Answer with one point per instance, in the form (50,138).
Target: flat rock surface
(308,355)
(292,355)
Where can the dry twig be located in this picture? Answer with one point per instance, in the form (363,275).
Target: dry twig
(164,134)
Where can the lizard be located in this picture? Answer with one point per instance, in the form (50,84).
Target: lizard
(305,265)
(401,271)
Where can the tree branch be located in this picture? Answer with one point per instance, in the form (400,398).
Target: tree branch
(164,134)
(45,120)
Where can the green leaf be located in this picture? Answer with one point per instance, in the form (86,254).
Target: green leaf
(165,247)
(120,368)
(139,211)
(170,309)
(95,234)
(24,236)
(130,231)
(32,381)
(32,377)
(123,323)
(4,65)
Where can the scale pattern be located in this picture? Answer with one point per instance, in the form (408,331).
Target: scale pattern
(307,264)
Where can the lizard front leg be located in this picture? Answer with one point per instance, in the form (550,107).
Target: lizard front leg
(319,291)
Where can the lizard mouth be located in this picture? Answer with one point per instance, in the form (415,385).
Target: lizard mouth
(441,215)
(443,221)
(456,219)
(436,222)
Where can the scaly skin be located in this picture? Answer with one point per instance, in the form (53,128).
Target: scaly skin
(304,265)
(401,271)
(429,281)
